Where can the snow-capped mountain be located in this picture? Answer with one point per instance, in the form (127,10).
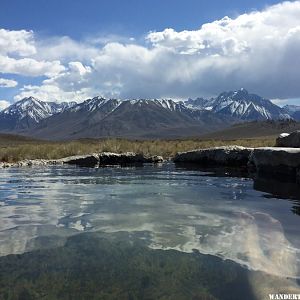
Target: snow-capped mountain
(293,111)
(199,103)
(104,106)
(60,107)
(242,105)
(96,104)
(138,118)
(135,118)
(28,112)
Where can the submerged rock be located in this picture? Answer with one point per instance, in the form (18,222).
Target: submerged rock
(276,161)
(233,156)
(289,140)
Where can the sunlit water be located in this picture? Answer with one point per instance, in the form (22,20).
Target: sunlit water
(253,224)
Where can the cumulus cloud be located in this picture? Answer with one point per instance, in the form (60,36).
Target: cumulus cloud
(258,50)
(70,85)
(17,49)
(65,49)
(8,83)
(4,104)
(29,67)
(53,92)
(20,42)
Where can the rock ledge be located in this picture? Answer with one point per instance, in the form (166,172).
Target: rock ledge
(230,156)
(90,160)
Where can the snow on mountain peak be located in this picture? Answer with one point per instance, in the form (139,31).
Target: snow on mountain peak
(35,109)
(242,105)
(232,105)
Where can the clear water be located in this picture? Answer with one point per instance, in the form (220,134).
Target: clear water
(246,230)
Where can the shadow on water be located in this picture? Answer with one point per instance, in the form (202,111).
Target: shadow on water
(119,266)
(284,188)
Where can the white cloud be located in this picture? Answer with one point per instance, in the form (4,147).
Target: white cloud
(29,67)
(7,83)
(258,50)
(65,49)
(3,104)
(51,92)
(282,102)
(17,49)
(20,42)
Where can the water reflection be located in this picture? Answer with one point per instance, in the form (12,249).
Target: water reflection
(285,188)
(282,189)
(217,212)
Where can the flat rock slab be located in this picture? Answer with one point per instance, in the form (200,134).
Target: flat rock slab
(90,160)
(31,163)
(270,161)
(82,160)
(127,158)
(108,158)
(230,156)
(276,160)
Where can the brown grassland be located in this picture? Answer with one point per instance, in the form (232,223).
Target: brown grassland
(14,148)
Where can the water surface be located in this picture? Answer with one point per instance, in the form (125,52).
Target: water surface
(148,232)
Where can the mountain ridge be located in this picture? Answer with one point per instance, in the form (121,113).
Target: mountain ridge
(128,118)
(293,111)
(242,104)
(136,118)
(28,112)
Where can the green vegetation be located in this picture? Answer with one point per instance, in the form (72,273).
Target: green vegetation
(117,266)
(14,150)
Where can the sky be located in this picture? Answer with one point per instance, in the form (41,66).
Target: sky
(73,50)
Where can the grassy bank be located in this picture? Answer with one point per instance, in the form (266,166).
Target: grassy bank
(29,149)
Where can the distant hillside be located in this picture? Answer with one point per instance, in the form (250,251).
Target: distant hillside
(13,139)
(254,130)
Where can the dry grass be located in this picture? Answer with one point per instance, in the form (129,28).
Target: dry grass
(12,152)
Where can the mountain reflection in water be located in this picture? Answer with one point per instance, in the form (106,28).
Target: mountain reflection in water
(146,233)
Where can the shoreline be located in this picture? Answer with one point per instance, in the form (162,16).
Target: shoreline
(267,161)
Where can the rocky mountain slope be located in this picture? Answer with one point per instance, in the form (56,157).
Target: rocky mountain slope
(28,112)
(100,117)
(293,111)
(242,105)
(141,118)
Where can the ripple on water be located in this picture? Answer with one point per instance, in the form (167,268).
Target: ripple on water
(248,222)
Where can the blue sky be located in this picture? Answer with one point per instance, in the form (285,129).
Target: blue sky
(132,17)
(65,50)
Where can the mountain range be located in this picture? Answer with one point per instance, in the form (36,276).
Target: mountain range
(293,111)
(28,112)
(142,118)
(242,105)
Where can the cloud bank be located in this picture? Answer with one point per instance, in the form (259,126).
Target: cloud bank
(4,104)
(7,83)
(258,50)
